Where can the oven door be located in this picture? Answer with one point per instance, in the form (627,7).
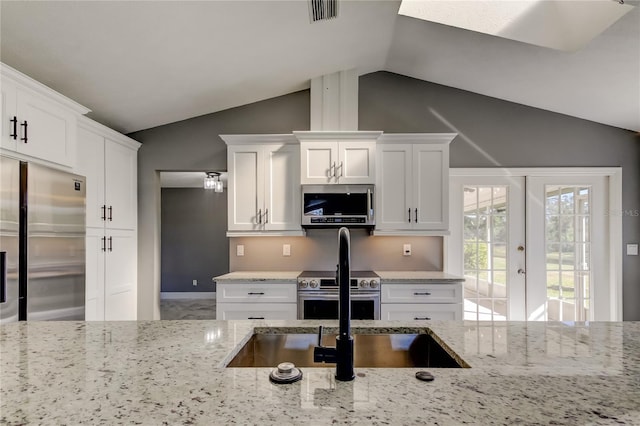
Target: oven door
(321,305)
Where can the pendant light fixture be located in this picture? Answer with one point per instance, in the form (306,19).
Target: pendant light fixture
(212,181)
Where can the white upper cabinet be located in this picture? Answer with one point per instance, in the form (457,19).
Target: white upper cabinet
(110,162)
(337,157)
(264,184)
(36,121)
(412,183)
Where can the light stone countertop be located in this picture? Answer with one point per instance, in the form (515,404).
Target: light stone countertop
(408,276)
(244,276)
(171,372)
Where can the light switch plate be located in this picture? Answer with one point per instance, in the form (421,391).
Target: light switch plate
(286,249)
(632,249)
(240,250)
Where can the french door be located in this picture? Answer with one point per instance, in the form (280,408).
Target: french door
(532,245)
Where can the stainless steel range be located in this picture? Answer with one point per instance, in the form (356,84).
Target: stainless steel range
(318,295)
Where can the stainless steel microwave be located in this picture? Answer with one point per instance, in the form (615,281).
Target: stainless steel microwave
(338,205)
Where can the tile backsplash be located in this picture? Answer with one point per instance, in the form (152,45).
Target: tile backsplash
(319,251)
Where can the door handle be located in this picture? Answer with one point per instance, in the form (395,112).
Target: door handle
(266,216)
(104,243)
(256,293)
(25,137)
(3,276)
(14,121)
(104,212)
(426,293)
(259,217)
(110,213)
(521,271)
(421,318)
(255,318)
(341,167)
(110,243)
(409,212)
(416,216)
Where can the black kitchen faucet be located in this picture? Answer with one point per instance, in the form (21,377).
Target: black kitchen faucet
(342,354)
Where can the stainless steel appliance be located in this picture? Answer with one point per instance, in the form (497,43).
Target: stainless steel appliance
(42,243)
(318,295)
(332,206)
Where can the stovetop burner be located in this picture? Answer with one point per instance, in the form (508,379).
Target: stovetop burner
(326,280)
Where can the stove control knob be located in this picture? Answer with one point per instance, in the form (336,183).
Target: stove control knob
(373,284)
(313,284)
(303,284)
(364,284)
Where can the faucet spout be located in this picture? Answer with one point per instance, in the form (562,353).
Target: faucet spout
(342,354)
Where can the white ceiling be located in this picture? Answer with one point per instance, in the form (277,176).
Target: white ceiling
(142,64)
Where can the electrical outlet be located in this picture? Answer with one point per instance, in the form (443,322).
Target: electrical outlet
(632,249)
(286,249)
(195,283)
(406,250)
(240,250)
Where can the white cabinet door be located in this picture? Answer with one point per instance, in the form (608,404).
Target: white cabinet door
(121,165)
(421,293)
(246,183)
(46,130)
(318,162)
(394,187)
(356,162)
(90,163)
(9,123)
(431,186)
(94,275)
(420,312)
(282,187)
(120,276)
(257,292)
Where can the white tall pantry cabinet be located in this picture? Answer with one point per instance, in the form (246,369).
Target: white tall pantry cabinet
(109,161)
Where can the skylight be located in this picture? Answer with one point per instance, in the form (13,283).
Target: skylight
(558,24)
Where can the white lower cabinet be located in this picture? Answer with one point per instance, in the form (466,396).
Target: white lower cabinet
(243,311)
(421,301)
(256,300)
(111,292)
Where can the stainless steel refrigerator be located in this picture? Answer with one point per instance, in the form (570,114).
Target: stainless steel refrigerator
(42,243)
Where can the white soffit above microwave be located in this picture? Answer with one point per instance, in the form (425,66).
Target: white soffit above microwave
(565,25)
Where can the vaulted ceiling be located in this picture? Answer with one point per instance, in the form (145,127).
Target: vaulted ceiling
(142,64)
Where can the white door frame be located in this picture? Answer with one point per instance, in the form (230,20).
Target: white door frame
(614,175)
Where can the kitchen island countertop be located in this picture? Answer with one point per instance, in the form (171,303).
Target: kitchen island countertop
(172,372)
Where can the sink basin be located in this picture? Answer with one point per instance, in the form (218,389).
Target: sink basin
(371,350)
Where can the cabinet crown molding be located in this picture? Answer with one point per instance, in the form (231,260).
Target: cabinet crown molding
(285,138)
(435,138)
(339,134)
(91,125)
(24,81)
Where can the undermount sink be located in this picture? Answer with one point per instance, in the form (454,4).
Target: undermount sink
(416,348)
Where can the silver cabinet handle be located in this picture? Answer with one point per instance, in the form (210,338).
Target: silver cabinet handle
(334,169)
(341,167)
(259,216)
(266,216)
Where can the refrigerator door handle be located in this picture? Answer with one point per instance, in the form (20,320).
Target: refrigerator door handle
(3,276)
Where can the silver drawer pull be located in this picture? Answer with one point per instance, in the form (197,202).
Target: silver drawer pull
(426,293)
(421,318)
(255,318)
(251,293)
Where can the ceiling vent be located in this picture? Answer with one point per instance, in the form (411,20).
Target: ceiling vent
(322,10)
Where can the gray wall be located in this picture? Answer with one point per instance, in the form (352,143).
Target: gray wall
(501,134)
(504,134)
(194,245)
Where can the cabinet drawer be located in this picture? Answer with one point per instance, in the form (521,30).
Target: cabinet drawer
(257,293)
(421,312)
(244,311)
(422,293)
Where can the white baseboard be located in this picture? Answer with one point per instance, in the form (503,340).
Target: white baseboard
(188,295)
